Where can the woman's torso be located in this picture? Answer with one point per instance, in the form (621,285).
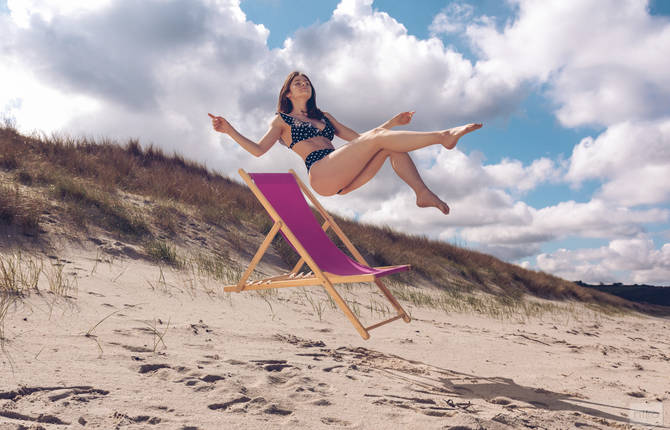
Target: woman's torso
(295,128)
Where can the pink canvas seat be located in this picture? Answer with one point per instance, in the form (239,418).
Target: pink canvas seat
(281,194)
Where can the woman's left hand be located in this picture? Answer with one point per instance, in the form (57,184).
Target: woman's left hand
(402,118)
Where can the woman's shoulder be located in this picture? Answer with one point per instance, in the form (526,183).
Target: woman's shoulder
(280,119)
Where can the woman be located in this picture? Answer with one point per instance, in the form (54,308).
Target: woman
(342,170)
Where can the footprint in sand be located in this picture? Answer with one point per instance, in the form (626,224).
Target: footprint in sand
(334,421)
(249,403)
(228,404)
(272,365)
(146,368)
(126,419)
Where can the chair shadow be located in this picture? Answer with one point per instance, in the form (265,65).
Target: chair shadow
(436,381)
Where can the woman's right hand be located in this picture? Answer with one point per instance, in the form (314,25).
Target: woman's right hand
(220,124)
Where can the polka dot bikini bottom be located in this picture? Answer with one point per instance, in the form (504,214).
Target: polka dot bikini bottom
(315,156)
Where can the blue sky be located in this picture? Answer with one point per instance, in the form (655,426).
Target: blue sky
(531,132)
(567,176)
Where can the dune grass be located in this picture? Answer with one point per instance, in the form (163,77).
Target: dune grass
(20,275)
(92,177)
(163,252)
(20,210)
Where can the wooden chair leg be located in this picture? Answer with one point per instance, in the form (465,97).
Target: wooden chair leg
(393,301)
(259,254)
(345,308)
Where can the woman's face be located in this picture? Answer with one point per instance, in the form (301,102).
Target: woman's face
(300,88)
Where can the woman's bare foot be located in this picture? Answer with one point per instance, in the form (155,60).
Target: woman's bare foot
(427,199)
(453,134)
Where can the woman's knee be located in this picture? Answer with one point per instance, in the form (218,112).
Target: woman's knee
(375,135)
(384,153)
(379,132)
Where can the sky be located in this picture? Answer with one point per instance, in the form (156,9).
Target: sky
(569,174)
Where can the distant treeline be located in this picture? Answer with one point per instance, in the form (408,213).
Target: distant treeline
(636,293)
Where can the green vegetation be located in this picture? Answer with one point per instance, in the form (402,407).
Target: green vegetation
(162,252)
(20,275)
(141,195)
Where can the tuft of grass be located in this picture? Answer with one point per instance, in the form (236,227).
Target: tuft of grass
(19,276)
(89,334)
(219,266)
(162,252)
(60,283)
(268,296)
(161,283)
(19,210)
(317,304)
(158,337)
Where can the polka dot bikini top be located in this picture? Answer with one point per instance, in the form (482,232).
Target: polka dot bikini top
(302,130)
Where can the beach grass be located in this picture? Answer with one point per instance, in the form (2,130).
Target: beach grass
(163,252)
(20,275)
(95,179)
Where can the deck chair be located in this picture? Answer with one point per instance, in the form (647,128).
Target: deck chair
(281,196)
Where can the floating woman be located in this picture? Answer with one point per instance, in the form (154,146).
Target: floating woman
(342,170)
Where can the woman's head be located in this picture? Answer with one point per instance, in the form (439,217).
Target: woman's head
(295,84)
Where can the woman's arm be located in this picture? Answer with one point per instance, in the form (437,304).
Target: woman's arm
(341,131)
(221,125)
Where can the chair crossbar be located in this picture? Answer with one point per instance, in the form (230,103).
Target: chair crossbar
(379,324)
(302,281)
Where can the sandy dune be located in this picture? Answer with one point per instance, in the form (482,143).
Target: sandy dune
(176,353)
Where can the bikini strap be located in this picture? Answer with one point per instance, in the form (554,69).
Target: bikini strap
(287,118)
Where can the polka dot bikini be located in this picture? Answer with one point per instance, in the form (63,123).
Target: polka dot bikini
(301,130)
(315,156)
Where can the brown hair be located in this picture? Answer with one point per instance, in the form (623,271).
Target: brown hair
(284,105)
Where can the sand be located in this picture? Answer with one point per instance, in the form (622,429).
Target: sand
(168,350)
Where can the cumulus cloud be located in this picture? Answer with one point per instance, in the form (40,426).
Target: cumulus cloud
(22,11)
(451,19)
(630,158)
(605,60)
(594,219)
(634,260)
(512,174)
(153,70)
(150,70)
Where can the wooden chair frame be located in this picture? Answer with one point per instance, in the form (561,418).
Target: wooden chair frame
(316,277)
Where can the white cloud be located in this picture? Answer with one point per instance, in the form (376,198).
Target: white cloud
(605,61)
(631,158)
(451,19)
(153,70)
(593,219)
(22,11)
(400,72)
(636,257)
(512,174)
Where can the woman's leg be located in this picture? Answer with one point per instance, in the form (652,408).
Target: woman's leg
(405,169)
(342,166)
(368,172)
